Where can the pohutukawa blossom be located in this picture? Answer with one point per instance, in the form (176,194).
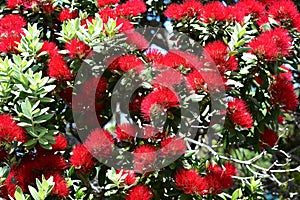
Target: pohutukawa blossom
(61,143)
(125,132)
(190,181)
(239,113)
(57,68)
(126,25)
(67,14)
(50,48)
(130,177)
(173,146)
(174,60)
(190,8)
(60,187)
(195,81)
(131,8)
(107,13)
(81,158)
(168,78)
(219,179)
(153,55)
(139,192)
(272,45)
(137,39)
(12,4)
(162,97)
(144,157)
(268,138)
(102,3)
(253,7)
(77,49)
(174,11)
(213,11)
(126,63)
(12,22)
(9,130)
(99,142)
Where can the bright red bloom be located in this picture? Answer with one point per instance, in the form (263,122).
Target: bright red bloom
(190,181)
(190,8)
(268,138)
(283,93)
(130,176)
(285,11)
(50,48)
(12,22)
(67,14)
(144,156)
(173,59)
(60,187)
(153,55)
(12,4)
(61,143)
(131,8)
(272,45)
(57,68)
(9,44)
(125,132)
(9,130)
(213,11)
(82,158)
(253,7)
(219,179)
(77,49)
(107,13)
(139,192)
(99,142)
(126,63)
(137,39)
(167,78)
(218,51)
(239,113)
(126,25)
(173,146)
(49,163)
(160,98)
(195,81)
(84,22)
(102,3)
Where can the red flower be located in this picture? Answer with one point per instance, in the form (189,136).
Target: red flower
(253,7)
(144,156)
(126,25)
(219,179)
(61,143)
(272,45)
(190,8)
(153,55)
(131,8)
(58,69)
(77,49)
(126,63)
(50,48)
(137,39)
(9,130)
(239,114)
(139,192)
(167,78)
(218,51)
(12,22)
(173,59)
(12,4)
(67,14)
(99,142)
(49,163)
(60,186)
(268,138)
(160,98)
(9,44)
(230,169)
(107,13)
(126,132)
(213,11)
(195,81)
(173,146)
(190,181)
(130,177)
(283,93)
(285,11)
(82,158)
(174,11)
(102,3)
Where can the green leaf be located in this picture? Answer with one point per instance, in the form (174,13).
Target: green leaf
(34,193)
(19,194)
(31,143)
(26,108)
(237,194)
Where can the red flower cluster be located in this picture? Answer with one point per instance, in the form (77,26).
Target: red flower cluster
(160,98)
(130,177)
(77,49)
(239,113)
(190,182)
(172,146)
(139,192)
(67,14)
(9,130)
(190,8)
(102,3)
(61,143)
(283,92)
(219,53)
(31,168)
(126,63)
(11,32)
(125,132)
(45,6)
(144,157)
(82,159)
(268,138)
(272,45)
